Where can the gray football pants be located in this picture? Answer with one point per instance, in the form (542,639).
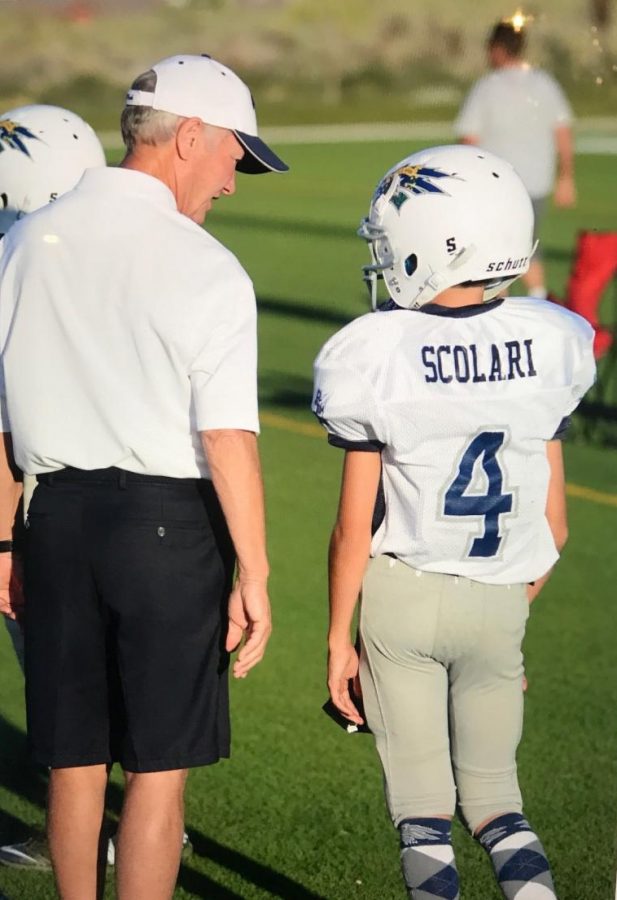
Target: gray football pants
(441,673)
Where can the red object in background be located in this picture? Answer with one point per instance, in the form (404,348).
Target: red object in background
(595,264)
(79,11)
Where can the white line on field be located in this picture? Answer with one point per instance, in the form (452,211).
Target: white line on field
(593,135)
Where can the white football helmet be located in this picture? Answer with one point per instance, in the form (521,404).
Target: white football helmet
(44,151)
(447,216)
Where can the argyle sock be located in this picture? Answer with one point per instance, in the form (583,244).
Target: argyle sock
(518,858)
(427,859)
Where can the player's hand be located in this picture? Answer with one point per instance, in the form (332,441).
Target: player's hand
(11,587)
(249,617)
(565,192)
(343,665)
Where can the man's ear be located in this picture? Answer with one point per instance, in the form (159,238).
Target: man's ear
(187,137)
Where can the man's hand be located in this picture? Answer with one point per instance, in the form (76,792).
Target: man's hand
(565,192)
(249,615)
(11,587)
(343,665)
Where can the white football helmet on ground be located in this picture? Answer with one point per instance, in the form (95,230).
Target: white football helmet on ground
(447,216)
(44,151)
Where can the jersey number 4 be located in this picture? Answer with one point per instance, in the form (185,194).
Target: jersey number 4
(489,506)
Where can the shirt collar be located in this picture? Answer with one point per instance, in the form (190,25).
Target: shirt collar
(436,309)
(114,180)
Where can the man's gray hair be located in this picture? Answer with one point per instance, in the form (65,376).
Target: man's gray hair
(144,125)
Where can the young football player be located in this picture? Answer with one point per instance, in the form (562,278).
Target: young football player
(44,151)
(450,405)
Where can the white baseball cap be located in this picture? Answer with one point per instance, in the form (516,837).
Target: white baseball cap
(192,85)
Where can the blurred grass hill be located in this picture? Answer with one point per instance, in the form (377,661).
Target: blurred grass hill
(306,60)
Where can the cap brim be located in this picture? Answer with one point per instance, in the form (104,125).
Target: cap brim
(258,158)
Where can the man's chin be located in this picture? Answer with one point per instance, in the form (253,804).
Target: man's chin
(199,216)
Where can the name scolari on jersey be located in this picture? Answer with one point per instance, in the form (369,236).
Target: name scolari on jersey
(476,363)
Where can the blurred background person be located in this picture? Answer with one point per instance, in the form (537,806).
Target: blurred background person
(521,113)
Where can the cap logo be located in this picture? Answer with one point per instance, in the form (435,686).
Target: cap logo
(14,135)
(410,181)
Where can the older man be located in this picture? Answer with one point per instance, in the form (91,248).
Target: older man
(129,361)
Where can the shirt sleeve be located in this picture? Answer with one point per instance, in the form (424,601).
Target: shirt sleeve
(345,404)
(559,109)
(223,374)
(584,371)
(4,415)
(470,118)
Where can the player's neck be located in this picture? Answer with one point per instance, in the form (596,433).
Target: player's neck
(460,296)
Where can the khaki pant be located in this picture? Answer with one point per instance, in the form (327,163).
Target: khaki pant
(441,672)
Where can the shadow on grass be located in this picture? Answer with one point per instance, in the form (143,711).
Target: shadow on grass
(284,389)
(288,226)
(307,312)
(202,885)
(23,779)
(274,883)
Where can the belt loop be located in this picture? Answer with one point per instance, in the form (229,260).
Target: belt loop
(122,480)
(51,477)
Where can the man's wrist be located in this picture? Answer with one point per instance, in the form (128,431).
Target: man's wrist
(7,546)
(338,641)
(257,575)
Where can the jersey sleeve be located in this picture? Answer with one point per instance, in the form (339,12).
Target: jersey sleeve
(584,364)
(344,399)
(223,374)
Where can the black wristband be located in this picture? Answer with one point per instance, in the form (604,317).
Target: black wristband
(6,546)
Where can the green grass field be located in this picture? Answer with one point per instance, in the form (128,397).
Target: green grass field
(298,812)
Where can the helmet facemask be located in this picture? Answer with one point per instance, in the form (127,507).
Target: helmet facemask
(381,254)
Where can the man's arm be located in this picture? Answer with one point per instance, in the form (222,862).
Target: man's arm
(350,547)
(565,188)
(11,597)
(233,459)
(556,511)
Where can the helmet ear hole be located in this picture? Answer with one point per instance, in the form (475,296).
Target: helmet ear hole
(411,264)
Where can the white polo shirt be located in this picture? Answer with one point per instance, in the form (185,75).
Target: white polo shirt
(125,329)
(514,112)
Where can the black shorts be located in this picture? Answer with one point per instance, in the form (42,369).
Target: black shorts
(126,582)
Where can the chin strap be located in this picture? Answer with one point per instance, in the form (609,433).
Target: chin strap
(371,278)
(438,281)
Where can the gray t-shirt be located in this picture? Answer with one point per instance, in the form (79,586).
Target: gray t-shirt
(513,112)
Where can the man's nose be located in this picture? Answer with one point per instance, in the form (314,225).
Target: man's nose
(230,187)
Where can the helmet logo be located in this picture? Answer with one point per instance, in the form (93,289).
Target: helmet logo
(417,180)
(12,135)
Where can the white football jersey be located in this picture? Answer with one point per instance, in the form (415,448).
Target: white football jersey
(460,404)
